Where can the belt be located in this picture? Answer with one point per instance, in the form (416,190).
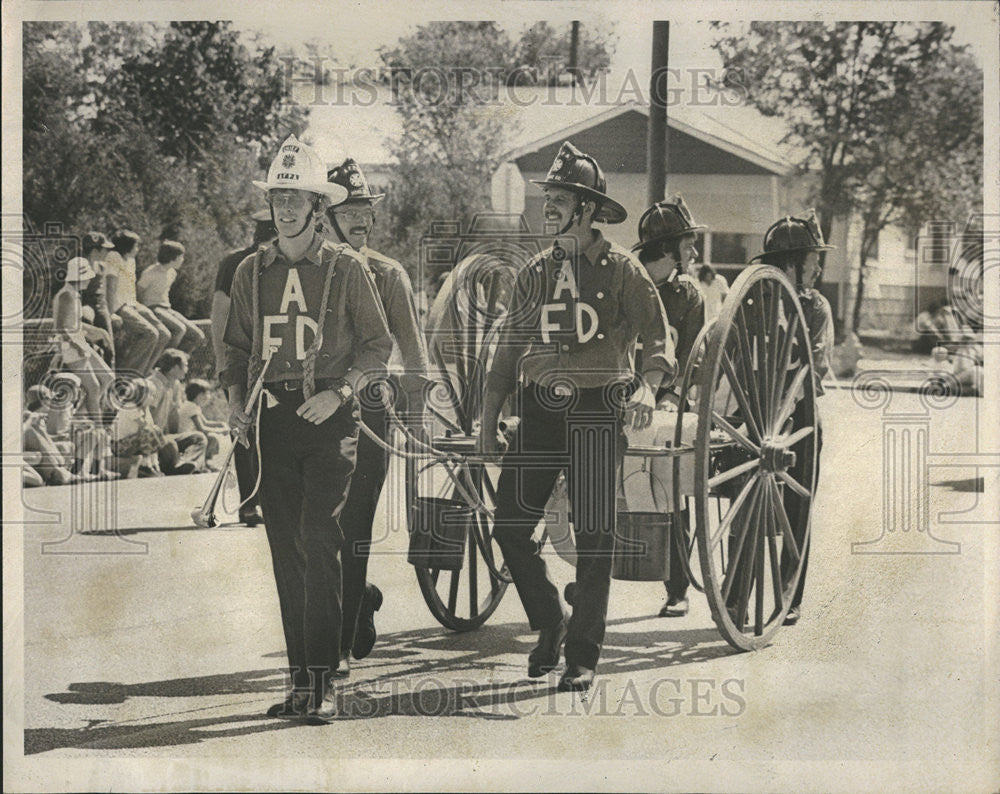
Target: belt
(278,386)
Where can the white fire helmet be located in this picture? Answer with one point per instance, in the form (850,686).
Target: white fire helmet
(298,167)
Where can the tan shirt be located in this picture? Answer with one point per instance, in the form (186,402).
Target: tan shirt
(409,355)
(123,271)
(578,317)
(355,335)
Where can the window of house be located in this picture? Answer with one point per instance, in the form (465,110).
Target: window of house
(873,251)
(733,249)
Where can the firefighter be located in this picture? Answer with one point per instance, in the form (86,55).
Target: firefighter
(352,222)
(304,313)
(565,351)
(793,245)
(667,249)
(246,464)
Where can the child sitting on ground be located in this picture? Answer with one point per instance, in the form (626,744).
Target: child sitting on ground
(135,437)
(51,459)
(69,445)
(191,416)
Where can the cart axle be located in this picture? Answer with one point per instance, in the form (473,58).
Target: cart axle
(775,456)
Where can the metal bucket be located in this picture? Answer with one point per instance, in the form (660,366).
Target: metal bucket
(438,529)
(642,547)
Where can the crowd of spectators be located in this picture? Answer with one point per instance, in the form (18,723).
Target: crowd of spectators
(953,346)
(117,403)
(113,402)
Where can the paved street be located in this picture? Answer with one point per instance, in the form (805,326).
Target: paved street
(162,640)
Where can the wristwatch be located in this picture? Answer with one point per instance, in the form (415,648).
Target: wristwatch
(343,390)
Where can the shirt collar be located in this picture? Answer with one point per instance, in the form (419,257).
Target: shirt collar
(312,254)
(597,249)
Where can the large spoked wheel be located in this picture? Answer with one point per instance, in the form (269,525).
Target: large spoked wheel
(755,457)
(685,542)
(463,599)
(461,347)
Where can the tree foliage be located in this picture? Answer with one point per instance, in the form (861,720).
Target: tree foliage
(887,114)
(155,128)
(447,78)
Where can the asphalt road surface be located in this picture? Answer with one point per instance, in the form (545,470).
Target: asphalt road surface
(145,638)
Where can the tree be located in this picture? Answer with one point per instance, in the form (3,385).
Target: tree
(545,52)
(888,115)
(445,77)
(154,128)
(452,141)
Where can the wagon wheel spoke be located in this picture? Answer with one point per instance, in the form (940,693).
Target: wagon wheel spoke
(791,397)
(795,485)
(745,442)
(774,326)
(732,473)
(798,435)
(763,532)
(742,400)
(762,364)
(749,373)
(736,552)
(788,537)
(453,591)
(772,547)
(741,570)
(734,509)
(784,359)
(473,569)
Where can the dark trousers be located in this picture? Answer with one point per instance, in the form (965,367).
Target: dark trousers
(246,474)
(584,438)
(358,517)
(793,504)
(305,475)
(182,448)
(677,579)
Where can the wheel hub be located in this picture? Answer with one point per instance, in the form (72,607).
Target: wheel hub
(775,456)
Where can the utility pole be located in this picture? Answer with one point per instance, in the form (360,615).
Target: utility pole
(656,130)
(574,47)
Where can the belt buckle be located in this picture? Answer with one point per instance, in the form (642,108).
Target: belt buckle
(289,385)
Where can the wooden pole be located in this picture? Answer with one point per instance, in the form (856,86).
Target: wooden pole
(574,48)
(656,130)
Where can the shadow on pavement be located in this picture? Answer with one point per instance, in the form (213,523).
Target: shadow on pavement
(969,485)
(138,530)
(426,672)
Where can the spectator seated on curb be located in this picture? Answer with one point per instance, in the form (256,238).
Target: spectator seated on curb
(191,417)
(78,445)
(51,460)
(30,478)
(966,364)
(154,291)
(184,453)
(94,247)
(140,337)
(75,353)
(928,335)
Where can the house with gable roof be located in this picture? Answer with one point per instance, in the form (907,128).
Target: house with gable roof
(727,161)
